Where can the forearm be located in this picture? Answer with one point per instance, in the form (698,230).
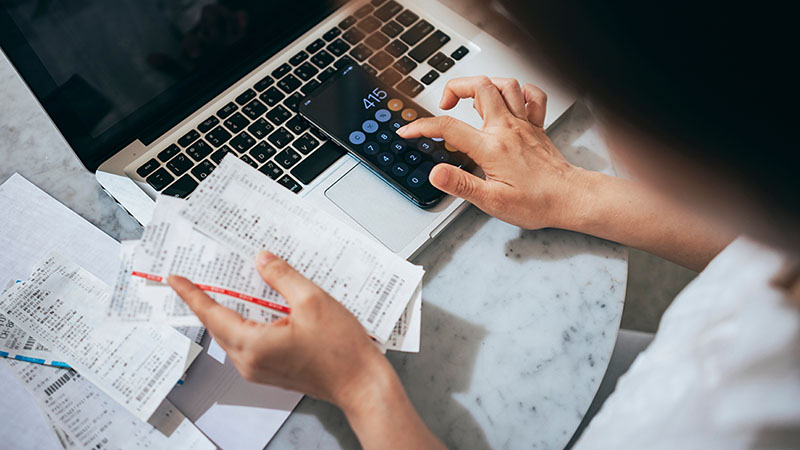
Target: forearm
(383,417)
(624,211)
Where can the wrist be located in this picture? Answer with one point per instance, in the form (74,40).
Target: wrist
(580,196)
(372,384)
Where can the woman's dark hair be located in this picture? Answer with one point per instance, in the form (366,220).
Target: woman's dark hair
(716,82)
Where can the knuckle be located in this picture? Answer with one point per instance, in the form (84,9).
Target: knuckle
(484,81)
(464,187)
(447,122)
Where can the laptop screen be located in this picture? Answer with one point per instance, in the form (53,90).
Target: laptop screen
(109,72)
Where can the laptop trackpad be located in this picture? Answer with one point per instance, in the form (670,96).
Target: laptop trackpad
(384,212)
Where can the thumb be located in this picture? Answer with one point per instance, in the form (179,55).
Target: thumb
(460,183)
(282,277)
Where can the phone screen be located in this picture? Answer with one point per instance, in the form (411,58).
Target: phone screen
(362,114)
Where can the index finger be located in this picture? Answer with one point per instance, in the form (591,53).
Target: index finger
(457,133)
(223,323)
(488,101)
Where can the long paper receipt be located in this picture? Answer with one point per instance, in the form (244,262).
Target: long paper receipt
(246,212)
(63,306)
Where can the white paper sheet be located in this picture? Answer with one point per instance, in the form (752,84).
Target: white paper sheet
(62,305)
(90,419)
(240,208)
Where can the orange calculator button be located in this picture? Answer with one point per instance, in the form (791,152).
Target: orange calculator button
(409,114)
(449,147)
(395,104)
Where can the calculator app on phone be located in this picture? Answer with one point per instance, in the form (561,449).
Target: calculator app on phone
(362,114)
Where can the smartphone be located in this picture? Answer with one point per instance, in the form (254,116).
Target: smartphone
(362,114)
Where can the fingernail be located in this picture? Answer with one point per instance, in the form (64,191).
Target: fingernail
(402,130)
(263,258)
(440,177)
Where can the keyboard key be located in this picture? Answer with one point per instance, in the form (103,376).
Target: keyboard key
(410,87)
(218,136)
(343,61)
(309,86)
(298,58)
(272,96)
(263,83)
(369,69)
(289,83)
(369,24)
(377,40)
(282,70)
(347,22)
(262,152)
(160,179)
(319,134)
(181,188)
(219,154)
(317,162)
(364,10)
(361,52)
(167,154)
(246,96)
(287,158)
(306,71)
(272,170)
(198,150)
(405,65)
(260,128)
(388,10)
(322,59)
(147,168)
(327,73)
(406,18)
(254,109)
(278,115)
(426,48)
(417,32)
(459,53)
(331,34)
(436,59)
(315,46)
(188,138)
(390,76)
(376,2)
(338,47)
(392,29)
(297,124)
(305,143)
(396,48)
(353,35)
(280,138)
(445,64)
(236,122)
(249,160)
(430,77)
(202,170)
(179,164)
(243,142)
(227,110)
(294,100)
(208,124)
(287,182)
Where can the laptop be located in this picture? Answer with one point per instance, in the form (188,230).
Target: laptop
(151,95)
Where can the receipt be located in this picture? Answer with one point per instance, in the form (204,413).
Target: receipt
(240,208)
(85,417)
(63,306)
(405,336)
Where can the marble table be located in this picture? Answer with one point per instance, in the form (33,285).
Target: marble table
(518,326)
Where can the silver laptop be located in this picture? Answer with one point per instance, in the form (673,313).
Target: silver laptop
(153,94)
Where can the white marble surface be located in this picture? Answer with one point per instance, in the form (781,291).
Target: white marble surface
(518,326)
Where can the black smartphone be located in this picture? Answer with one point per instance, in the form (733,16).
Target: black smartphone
(362,114)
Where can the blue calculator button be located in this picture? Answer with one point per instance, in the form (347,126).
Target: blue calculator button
(425,145)
(357,137)
(440,156)
(413,158)
(371,148)
(369,126)
(383,136)
(398,146)
(385,159)
(415,180)
(400,169)
(383,115)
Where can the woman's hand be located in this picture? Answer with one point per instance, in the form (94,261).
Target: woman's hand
(320,348)
(528,182)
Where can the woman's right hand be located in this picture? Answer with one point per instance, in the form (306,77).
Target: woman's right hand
(527,182)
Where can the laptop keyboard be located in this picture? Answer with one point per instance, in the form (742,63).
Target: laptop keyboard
(262,127)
